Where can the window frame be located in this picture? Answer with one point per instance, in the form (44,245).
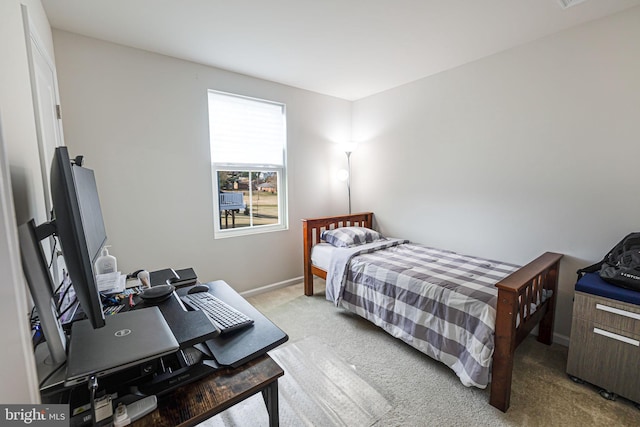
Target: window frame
(282,193)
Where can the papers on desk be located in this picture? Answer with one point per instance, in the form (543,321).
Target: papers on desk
(111,283)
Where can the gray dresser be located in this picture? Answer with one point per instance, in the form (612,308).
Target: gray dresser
(605,345)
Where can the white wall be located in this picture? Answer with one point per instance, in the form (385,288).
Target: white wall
(141,121)
(17,369)
(531,150)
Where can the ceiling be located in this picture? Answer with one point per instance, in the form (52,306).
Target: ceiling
(344,48)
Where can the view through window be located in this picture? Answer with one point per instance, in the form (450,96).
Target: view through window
(248,146)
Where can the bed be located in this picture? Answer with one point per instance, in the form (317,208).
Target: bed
(511,300)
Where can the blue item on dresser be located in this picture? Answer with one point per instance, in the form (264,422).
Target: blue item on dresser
(592,283)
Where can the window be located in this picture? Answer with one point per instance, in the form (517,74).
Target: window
(248,152)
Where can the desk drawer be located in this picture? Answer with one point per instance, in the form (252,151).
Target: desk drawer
(605,357)
(615,314)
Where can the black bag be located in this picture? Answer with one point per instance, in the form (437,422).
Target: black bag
(621,266)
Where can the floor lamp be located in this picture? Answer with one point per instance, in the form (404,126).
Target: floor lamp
(348,149)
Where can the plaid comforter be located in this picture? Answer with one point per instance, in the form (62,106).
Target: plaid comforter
(440,302)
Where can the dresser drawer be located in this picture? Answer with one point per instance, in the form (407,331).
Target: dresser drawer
(615,314)
(605,357)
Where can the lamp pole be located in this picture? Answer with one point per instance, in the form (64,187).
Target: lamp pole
(348,153)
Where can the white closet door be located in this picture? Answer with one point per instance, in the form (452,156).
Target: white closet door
(44,87)
(46,105)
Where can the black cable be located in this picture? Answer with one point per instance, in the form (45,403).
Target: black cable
(36,328)
(61,297)
(53,251)
(71,304)
(64,276)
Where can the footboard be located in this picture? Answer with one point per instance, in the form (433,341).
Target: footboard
(311,231)
(521,306)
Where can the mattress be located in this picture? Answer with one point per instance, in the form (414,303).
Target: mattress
(321,255)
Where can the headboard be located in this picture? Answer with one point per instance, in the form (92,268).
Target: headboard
(311,230)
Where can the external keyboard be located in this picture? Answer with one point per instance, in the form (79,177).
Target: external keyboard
(225,317)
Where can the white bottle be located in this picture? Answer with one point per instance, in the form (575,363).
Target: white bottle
(106,263)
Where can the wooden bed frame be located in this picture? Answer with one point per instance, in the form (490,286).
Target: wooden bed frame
(516,293)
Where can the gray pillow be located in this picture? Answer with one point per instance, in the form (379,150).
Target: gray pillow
(346,237)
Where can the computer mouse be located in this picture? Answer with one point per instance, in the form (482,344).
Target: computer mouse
(198,288)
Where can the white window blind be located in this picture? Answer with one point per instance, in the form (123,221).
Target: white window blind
(246,131)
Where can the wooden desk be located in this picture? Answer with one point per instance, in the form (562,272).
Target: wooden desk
(195,402)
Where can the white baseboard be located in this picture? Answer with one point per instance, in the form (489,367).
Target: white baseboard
(560,339)
(272,287)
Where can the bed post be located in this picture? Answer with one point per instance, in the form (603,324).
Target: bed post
(505,345)
(523,285)
(306,244)
(545,330)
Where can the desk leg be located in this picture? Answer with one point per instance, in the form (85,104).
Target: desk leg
(270,396)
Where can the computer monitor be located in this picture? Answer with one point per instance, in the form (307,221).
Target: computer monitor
(78,223)
(80,228)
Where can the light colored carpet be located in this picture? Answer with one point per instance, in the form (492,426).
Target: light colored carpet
(423,392)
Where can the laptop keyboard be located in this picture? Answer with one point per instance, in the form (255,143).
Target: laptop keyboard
(225,317)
